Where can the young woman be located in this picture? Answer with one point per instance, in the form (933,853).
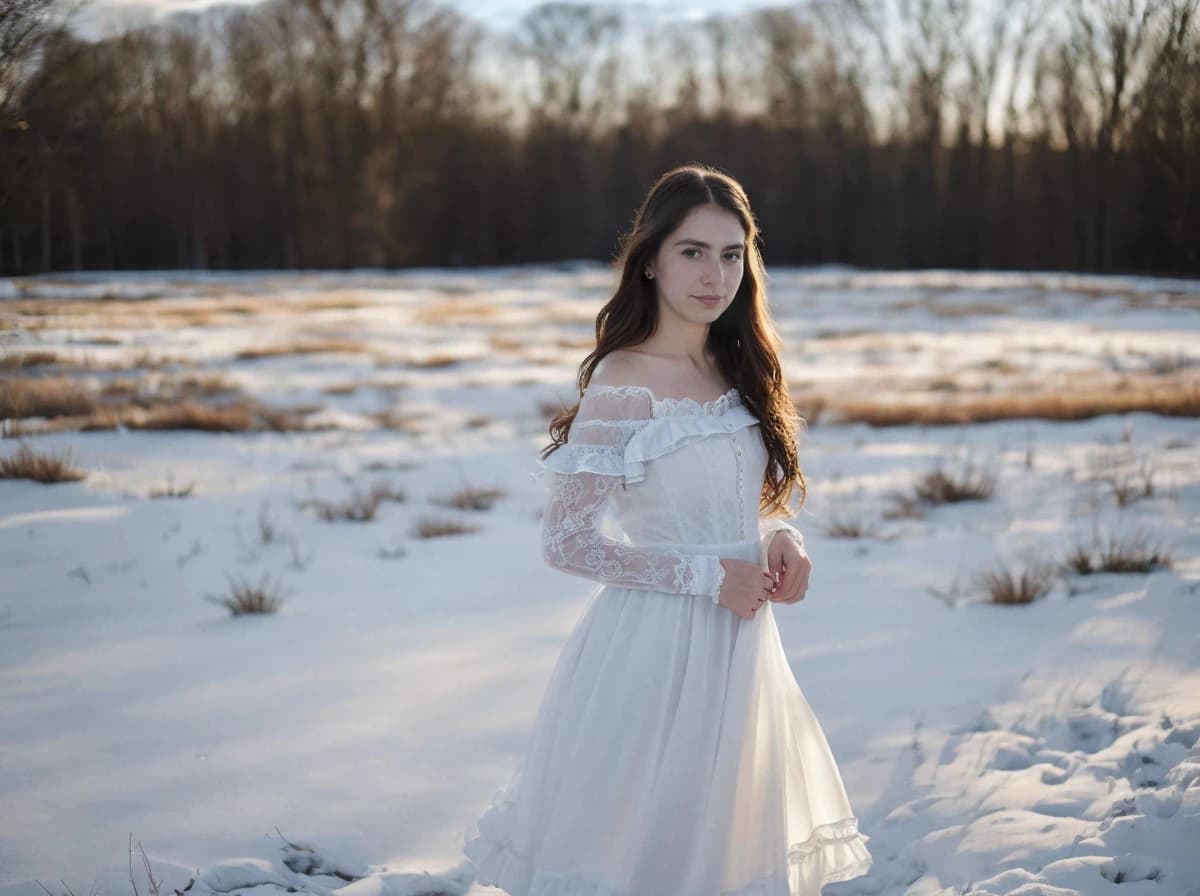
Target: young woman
(673,753)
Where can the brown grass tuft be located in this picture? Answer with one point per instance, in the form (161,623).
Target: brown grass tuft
(335,301)
(45,468)
(428,527)
(1005,585)
(316,347)
(245,598)
(471,497)
(44,397)
(1172,399)
(1119,552)
(903,507)
(359,507)
(850,527)
(455,310)
(26,360)
(943,486)
(435,362)
(402,421)
(189,415)
(170,490)
(1129,474)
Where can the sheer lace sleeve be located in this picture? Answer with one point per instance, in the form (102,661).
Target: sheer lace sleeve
(582,474)
(768,526)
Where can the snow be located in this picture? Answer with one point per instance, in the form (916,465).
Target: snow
(344,742)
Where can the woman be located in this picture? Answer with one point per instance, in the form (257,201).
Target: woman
(673,753)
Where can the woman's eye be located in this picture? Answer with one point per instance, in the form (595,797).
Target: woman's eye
(734,256)
(691,253)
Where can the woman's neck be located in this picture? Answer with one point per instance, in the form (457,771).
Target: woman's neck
(680,344)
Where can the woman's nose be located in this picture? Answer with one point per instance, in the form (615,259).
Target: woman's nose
(713,272)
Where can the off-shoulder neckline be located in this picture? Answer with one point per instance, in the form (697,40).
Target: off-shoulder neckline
(670,406)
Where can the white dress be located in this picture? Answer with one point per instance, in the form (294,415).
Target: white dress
(673,753)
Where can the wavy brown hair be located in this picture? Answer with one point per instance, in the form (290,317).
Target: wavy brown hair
(743,339)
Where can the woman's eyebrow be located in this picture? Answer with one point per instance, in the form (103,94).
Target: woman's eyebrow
(704,245)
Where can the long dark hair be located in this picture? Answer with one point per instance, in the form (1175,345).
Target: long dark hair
(743,339)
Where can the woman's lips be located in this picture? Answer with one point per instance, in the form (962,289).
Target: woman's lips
(709,301)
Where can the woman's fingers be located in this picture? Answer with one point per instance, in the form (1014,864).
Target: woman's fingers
(793,584)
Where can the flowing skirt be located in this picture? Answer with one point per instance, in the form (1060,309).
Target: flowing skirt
(673,754)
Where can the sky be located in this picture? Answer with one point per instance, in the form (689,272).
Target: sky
(496,13)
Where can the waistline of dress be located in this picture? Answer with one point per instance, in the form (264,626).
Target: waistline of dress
(748,550)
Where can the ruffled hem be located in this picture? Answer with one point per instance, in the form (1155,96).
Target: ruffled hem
(833,852)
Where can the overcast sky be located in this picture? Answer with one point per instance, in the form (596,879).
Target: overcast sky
(497,13)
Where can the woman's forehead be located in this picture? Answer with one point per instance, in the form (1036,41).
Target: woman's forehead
(711,224)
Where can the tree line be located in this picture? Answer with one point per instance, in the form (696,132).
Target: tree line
(1035,134)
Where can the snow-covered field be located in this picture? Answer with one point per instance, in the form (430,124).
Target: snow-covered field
(345,741)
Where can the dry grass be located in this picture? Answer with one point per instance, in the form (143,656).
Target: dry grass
(44,397)
(506,343)
(152,389)
(25,360)
(153,401)
(359,507)
(943,384)
(401,421)
(205,385)
(239,417)
(45,468)
(850,527)
(243,416)
(170,490)
(314,347)
(1120,552)
(118,314)
(999,365)
(946,486)
(1129,474)
(455,311)
(903,506)
(1006,585)
(246,598)
(1180,398)
(576,342)
(472,497)
(435,362)
(333,301)
(430,527)
(811,409)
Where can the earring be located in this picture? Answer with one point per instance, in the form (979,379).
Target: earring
(649,276)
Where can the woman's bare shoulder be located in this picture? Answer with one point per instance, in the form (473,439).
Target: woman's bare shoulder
(621,368)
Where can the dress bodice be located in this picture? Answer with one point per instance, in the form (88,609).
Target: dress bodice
(693,472)
(646,489)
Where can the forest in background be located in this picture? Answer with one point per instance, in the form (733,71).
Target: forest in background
(1037,134)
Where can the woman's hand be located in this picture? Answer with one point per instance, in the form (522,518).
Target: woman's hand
(746,587)
(790,566)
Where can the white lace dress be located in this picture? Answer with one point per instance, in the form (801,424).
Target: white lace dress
(673,753)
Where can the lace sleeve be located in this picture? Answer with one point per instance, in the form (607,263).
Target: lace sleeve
(583,473)
(768,526)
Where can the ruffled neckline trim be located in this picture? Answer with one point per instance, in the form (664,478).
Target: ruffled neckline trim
(677,407)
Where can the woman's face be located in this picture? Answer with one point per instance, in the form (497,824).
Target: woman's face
(699,266)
